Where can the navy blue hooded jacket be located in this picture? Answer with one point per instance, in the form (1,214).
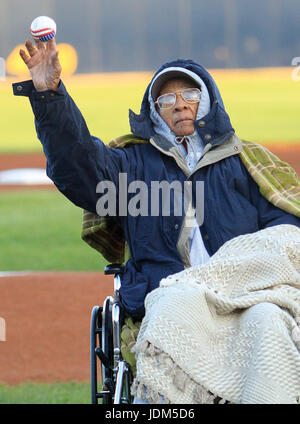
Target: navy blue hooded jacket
(77,162)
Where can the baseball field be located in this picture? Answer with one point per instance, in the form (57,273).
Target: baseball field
(49,278)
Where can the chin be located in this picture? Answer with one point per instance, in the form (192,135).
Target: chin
(184,130)
(181,133)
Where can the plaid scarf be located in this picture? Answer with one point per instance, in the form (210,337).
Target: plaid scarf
(277,181)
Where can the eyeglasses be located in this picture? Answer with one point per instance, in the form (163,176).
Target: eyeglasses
(190,95)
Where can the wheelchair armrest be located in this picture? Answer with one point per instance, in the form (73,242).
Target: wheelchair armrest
(113,269)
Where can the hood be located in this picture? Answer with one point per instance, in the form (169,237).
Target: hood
(194,145)
(214,127)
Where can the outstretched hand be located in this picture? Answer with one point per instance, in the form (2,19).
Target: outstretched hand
(43,64)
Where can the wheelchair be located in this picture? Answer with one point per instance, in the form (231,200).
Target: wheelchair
(105,349)
(113,387)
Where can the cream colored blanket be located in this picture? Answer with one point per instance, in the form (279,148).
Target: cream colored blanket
(227,328)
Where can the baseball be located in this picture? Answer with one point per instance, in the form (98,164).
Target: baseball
(43,28)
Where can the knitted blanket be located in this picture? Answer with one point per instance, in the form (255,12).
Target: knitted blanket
(277,181)
(227,328)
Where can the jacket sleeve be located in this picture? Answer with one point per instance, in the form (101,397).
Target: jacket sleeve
(76,161)
(268,214)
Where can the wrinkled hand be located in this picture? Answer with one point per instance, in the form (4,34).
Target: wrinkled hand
(43,64)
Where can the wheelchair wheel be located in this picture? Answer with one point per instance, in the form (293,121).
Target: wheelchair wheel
(101,352)
(96,325)
(106,344)
(116,376)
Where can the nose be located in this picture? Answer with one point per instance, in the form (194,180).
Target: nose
(180,103)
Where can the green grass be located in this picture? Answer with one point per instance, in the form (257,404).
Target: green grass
(105,108)
(262,110)
(42,393)
(263,106)
(40,230)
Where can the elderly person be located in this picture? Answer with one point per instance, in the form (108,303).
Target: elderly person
(185,134)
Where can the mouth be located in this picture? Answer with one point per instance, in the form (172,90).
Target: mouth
(183,120)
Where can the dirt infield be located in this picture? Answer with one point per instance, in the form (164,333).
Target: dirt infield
(287,152)
(47,315)
(47,318)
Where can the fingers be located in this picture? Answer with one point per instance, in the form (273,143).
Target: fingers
(30,48)
(51,44)
(56,63)
(24,56)
(39,44)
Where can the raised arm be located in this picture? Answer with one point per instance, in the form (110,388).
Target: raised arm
(76,161)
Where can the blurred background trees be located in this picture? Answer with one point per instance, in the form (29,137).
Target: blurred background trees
(133,35)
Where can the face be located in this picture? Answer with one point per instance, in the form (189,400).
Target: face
(180,118)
